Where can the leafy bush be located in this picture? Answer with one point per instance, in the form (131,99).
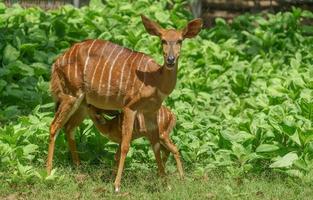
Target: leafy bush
(243,98)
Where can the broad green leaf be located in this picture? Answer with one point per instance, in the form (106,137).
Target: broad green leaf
(162,16)
(96,3)
(264,148)
(28,47)
(29,149)
(239,137)
(10,54)
(295,138)
(60,28)
(294,63)
(306,108)
(24,170)
(238,150)
(294,173)
(285,161)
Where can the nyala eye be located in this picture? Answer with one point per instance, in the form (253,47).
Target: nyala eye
(179,41)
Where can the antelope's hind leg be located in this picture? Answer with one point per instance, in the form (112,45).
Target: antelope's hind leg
(117,159)
(74,121)
(68,105)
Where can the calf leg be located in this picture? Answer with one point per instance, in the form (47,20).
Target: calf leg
(165,154)
(156,146)
(169,145)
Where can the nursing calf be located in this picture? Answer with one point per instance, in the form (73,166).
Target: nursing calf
(157,134)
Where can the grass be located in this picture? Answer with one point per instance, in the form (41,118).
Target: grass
(95,182)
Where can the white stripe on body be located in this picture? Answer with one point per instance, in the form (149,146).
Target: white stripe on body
(159,117)
(121,76)
(87,59)
(76,62)
(144,75)
(167,119)
(69,64)
(96,68)
(129,73)
(63,62)
(103,69)
(161,124)
(134,80)
(110,74)
(163,117)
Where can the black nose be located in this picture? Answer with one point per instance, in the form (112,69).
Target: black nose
(170,60)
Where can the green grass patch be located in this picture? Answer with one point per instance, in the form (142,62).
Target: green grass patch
(96,182)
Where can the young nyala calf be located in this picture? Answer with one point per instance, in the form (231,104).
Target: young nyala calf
(157,134)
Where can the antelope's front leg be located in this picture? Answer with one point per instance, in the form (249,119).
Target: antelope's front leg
(127,130)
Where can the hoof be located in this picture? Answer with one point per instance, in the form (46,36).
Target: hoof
(181,176)
(117,189)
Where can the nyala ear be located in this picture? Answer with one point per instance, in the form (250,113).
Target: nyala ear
(152,27)
(193,28)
